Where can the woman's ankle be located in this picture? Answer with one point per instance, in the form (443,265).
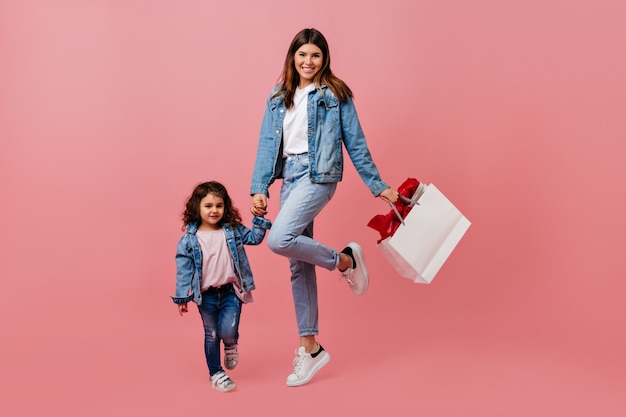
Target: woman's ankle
(345,262)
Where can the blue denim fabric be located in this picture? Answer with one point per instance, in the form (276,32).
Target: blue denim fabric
(330,123)
(292,236)
(220,311)
(189,258)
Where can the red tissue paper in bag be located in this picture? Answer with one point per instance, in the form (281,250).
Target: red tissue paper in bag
(387,224)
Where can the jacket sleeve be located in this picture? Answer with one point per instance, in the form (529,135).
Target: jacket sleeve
(356,146)
(254,236)
(267,165)
(184,272)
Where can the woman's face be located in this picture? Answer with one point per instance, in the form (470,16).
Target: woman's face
(308,61)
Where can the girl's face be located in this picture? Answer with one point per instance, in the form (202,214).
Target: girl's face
(308,62)
(211,212)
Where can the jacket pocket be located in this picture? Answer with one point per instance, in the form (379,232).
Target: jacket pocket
(328,110)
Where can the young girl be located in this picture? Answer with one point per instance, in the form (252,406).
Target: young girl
(212,270)
(309,118)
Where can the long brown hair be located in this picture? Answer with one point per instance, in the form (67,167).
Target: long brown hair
(191,215)
(290,79)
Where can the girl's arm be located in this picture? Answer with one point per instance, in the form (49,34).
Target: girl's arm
(255,235)
(184,273)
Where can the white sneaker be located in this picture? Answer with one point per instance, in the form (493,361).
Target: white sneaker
(305,366)
(356,277)
(231,357)
(221,382)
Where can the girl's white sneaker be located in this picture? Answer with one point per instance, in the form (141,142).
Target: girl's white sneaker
(221,382)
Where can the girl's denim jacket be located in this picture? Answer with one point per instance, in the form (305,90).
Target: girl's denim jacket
(189,258)
(330,123)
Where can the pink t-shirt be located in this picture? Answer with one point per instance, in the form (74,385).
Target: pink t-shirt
(217,263)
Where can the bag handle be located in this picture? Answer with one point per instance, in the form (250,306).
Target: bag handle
(409,201)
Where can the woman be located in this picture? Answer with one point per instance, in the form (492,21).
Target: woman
(308,117)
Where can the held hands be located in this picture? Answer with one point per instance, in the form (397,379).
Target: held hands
(389,195)
(259,205)
(182,308)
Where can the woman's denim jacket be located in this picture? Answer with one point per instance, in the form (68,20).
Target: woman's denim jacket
(189,258)
(330,123)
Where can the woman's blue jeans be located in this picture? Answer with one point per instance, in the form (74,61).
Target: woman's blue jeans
(292,236)
(220,311)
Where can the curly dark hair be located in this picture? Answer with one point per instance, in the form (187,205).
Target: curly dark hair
(191,215)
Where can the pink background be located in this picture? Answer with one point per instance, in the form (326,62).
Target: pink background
(111,111)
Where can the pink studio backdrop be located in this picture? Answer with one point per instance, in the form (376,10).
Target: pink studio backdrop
(111,111)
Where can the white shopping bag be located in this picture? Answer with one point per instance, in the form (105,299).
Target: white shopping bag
(426,238)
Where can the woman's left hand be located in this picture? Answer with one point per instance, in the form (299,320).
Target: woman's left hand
(389,195)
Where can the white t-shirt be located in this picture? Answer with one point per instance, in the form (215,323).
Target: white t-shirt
(295,138)
(217,263)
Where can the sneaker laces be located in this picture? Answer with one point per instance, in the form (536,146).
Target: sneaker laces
(297,362)
(347,275)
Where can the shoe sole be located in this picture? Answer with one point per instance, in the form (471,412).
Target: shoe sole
(319,365)
(225,389)
(357,252)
